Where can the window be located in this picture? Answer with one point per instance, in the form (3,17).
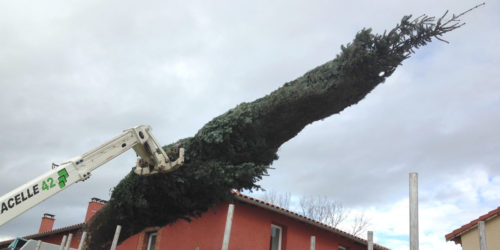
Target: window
(275,243)
(151,241)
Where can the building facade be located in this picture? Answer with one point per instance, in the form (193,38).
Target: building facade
(468,235)
(255,225)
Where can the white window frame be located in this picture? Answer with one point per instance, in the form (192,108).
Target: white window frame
(150,235)
(280,235)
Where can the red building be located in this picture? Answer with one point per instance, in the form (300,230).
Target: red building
(255,225)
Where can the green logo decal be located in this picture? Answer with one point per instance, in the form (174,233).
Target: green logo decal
(63,174)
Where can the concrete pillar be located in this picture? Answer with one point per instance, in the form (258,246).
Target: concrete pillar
(115,238)
(413,211)
(482,235)
(313,242)
(370,240)
(82,241)
(62,242)
(227,230)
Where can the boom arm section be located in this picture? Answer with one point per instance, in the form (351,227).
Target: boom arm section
(152,160)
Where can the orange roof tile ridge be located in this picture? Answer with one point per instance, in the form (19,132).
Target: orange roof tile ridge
(471,224)
(304,217)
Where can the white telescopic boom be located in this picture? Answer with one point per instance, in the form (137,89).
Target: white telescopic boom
(154,160)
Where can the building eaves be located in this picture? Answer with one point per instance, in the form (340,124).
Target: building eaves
(455,235)
(250,200)
(48,233)
(244,198)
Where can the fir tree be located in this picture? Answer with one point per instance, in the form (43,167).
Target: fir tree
(235,149)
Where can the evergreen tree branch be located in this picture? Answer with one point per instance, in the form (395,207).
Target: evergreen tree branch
(234,150)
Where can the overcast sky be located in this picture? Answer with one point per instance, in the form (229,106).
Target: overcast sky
(74,74)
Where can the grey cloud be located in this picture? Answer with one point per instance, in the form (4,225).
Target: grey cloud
(73,75)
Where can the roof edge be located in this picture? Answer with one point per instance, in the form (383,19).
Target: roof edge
(274,208)
(42,234)
(471,225)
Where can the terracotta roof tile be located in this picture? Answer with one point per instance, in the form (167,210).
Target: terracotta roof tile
(312,221)
(55,231)
(457,232)
(243,198)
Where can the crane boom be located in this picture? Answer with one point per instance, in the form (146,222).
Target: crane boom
(152,160)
